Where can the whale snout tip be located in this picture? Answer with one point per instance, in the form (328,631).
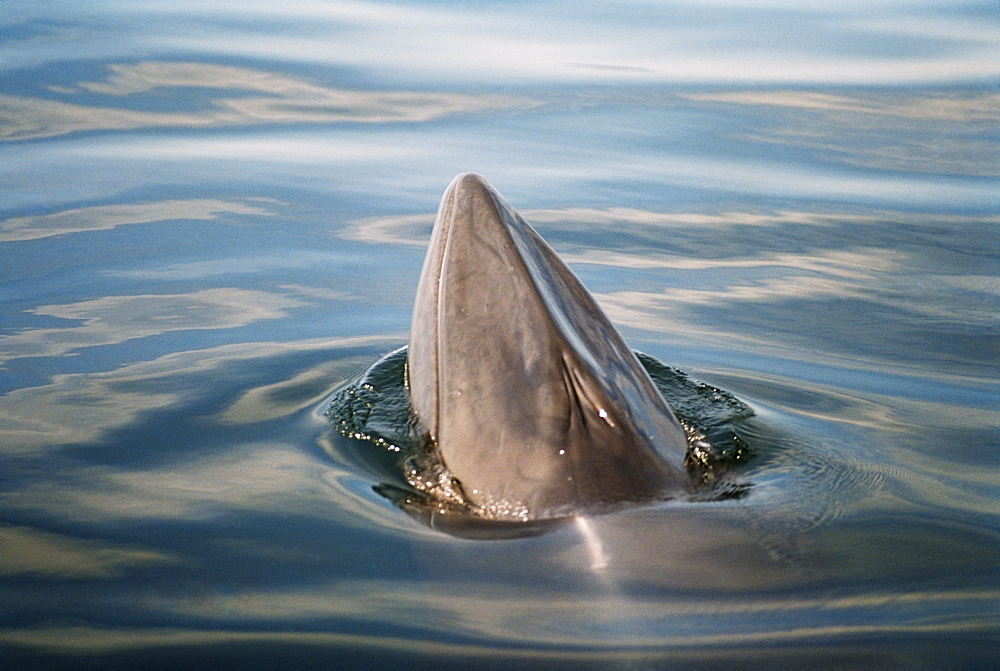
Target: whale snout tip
(468,181)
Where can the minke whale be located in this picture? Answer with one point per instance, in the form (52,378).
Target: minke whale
(518,383)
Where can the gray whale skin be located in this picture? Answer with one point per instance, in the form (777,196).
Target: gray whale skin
(518,382)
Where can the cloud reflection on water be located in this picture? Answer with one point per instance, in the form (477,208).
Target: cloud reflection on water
(259,477)
(105,217)
(81,408)
(948,107)
(509,627)
(280,399)
(31,552)
(285,100)
(860,43)
(553,617)
(929,132)
(115,319)
(915,137)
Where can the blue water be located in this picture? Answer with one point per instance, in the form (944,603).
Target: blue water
(213,215)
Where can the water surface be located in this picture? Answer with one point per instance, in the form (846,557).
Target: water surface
(213,216)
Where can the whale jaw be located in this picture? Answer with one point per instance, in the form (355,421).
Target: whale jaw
(519,384)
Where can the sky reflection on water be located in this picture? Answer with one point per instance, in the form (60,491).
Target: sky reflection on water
(214,214)
(905,42)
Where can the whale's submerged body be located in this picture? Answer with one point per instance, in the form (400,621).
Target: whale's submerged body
(519,384)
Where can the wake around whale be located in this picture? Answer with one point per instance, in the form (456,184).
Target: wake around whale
(518,382)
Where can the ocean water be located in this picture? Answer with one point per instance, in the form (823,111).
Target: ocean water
(213,216)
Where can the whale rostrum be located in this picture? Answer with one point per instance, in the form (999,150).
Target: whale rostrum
(519,384)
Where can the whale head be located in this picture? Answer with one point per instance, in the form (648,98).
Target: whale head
(519,384)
